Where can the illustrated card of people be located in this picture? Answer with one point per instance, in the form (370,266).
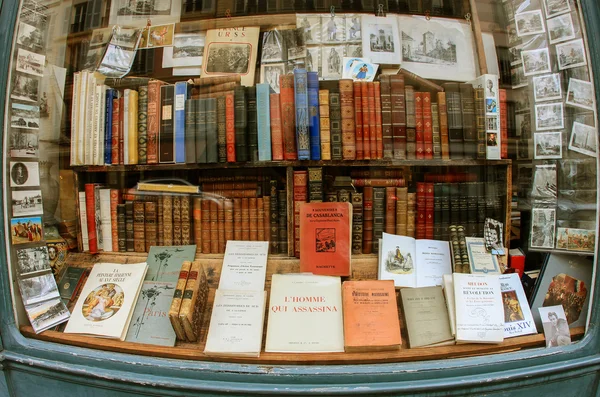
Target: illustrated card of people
(363,71)
(27,202)
(381,39)
(547,145)
(160,36)
(313,59)
(583,139)
(269,73)
(354,50)
(333,29)
(493,236)
(438,48)
(24,174)
(573,239)
(580,94)
(556,328)
(26,230)
(331,62)
(542,227)
(273,47)
(353,28)
(311,27)
(348,62)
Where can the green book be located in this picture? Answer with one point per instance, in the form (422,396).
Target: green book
(68,282)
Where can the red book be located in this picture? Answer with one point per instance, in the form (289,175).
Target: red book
(114,201)
(427,126)
(115,131)
(420,125)
(390,210)
(503,125)
(367,244)
(421,215)
(288,116)
(429,210)
(276,132)
(372,120)
(378,119)
(153,121)
(358,117)
(326,238)
(90,207)
(300,194)
(230,128)
(366,141)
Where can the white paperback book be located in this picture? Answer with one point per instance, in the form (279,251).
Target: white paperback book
(449,295)
(413,263)
(518,319)
(105,305)
(305,314)
(479,311)
(105,223)
(236,323)
(244,266)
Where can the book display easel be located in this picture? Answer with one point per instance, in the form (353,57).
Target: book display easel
(245,194)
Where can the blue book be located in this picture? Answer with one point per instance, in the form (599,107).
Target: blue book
(314,127)
(301,103)
(110,95)
(181,94)
(263,92)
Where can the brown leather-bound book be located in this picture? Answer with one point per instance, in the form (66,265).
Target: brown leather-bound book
(217,88)
(378,216)
(274,218)
(400,115)
(283,221)
(237,218)
(378,121)
(214,227)
(260,213)
(401,210)
(427,127)
(177,298)
(348,123)
(356,199)
(371,321)
(288,116)
(377,173)
(335,119)
(411,214)
(367,132)
(197,217)
(167,219)
(228,210)
(160,233)
(410,76)
(372,119)
(480,106)
(186,222)
(267,217)
(367,220)
(277,149)
(420,126)
(221,228)
(206,81)
(253,219)
(300,197)
(390,210)
(176,220)
(315,184)
(435,127)
(150,224)
(230,127)
(193,303)
(233,193)
(216,186)
(324,124)
(411,123)
(139,240)
(386,117)
(358,119)
(467,106)
(443,119)
(455,120)
(429,209)
(379,182)
(245,219)
(154,117)
(206,226)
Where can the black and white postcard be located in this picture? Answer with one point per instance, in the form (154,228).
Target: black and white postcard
(187,50)
(311,27)
(273,47)
(25,88)
(353,28)
(434,49)
(561,29)
(555,325)
(571,54)
(38,288)
(549,116)
(25,116)
(536,61)
(381,40)
(228,58)
(530,22)
(580,94)
(23,143)
(313,59)
(547,87)
(333,29)
(127,38)
(47,314)
(24,173)
(30,37)
(32,260)
(354,51)
(556,7)
(269,73)
(492,123)
(547,145)
(30,62)
(331,62)
(138,12)
(27,202)
(544,181)
(517,77)
(543,227)
(583,139)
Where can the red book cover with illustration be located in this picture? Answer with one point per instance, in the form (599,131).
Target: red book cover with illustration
(326,240)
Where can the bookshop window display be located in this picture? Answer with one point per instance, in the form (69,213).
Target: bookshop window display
(172,167)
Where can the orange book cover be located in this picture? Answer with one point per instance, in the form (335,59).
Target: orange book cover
(370,316)
(325,238)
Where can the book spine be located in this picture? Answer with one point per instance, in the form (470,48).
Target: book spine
(237,216)
(421,211)
(197,218)
(121,228)
(153,121)
(132,129)
(267,217)
(401,99)
(348,123)
(324,124)
(468,116)
(443,119)
(186,222)
(150,224)
(252,219)
(206,226)
(108,111)
(315,184)
(122,129)
(221,130)
(90,203)
(283,240)
(366,121)
(503,124)
(241,124)
(437,211)
(260,214)
(252,124)
(167,212)
(420,130)
(411,214)
(401,211)
(314,116)
(177,298)
(302,119)
(214,227)
(115,132)
(427,127)
(263,107)
(288,116)
(358,119)
(482,207)
(277,149)
(378,120)
(300,197)
(357,222)
(176,220)
(201,131)
(445,210)
(96,124)
(230,127)
(245,219)
(335,118)
(372,120)
(379,182)
(190,131)
(188,300)
(114,202)
(129,227)
(143,124)
(211,131)
(390,210)
(429,208)
(229,216)
(274,221)
(471,209)
(139,236)
(221,226)
(455,126)
(160,235)
(479,94)
(435,128)
(378,216)
(181,95)
(166,142)
(74,117)
(386,117)
(367,246)
(85,242)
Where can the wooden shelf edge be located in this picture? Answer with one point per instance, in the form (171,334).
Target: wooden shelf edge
(196,352)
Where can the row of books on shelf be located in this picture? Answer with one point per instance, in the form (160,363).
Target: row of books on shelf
(222,121)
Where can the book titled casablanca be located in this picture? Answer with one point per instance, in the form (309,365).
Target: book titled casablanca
(326,241)
(105,305)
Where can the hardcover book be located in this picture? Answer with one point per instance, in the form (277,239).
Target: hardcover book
(105,305)
(181,95)
(325,245)
(177,298)
(518,319)
(427,320)
(313,115)
(305,314)
(193,302)
(166,139)
(263,106)
(302,118)
(370,316)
